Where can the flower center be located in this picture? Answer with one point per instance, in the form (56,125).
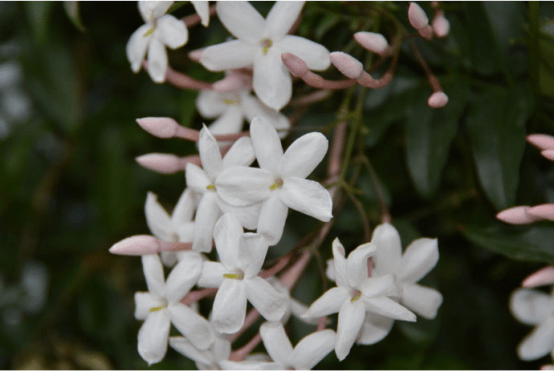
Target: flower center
(277,184)
(211,187)
(149,32)
(234,276)
(231,102)
(357,294)
(266,44)
(159,308)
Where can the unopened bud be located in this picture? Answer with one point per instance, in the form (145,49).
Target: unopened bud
(164,128)
(417,17)
(295,64)
(517,215)
(162,163)
(136,245)
(441,26)
(543,142)
(347,65)
(437,100)
(542,277)
(548,154)
(544,211)
(372,41)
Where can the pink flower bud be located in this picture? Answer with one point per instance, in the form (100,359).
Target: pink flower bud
(372,41)
(542,277)
(232,82)
(136,245)
(416,15)
(196,55)
(295,64)
(543,142)
(545,211)
(164,128)
(162,163)
(548,154)
(347,65)
(426,32)
(441,26)
(437,100)
(517,215)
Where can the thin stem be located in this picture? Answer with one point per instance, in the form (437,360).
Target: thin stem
(385,215)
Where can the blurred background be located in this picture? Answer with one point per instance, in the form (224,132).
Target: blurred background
(70,187)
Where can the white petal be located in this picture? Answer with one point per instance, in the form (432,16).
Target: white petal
(210,155)
(273,216)
(227,235)
(270,303)
(272,81)
(210,104)
(247,215)
(418,259)
(157,61)
(389,308)
(206,216)
(169,258)
(385,285)
(530,306)
(154,274)
(339,262)
(143,303)
(244,186)
(330,302)
(254,107)
(203,10)
(356,264)
(193,326)
(252,252)
(276,342)
(229,309)
(234,54)
(228,123)
(171,31)
(183,277)
(185,348)
(241,19)
(250,365)
(303,155)
(137,46)
(281,18)
(150,10)
(197,179)
(308,197)
(152,337)
(267,144)
(315,55)
(351,318)
(389,249)
(184,210)
(375,328)
(422,300)
(157,218)
(240,154)
(212,275)
(221,348)
(312,349)
(539,342)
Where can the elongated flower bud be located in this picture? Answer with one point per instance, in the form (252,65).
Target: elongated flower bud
(545,211)
(542,277)
(543,142)
(441,26)
(165,163)
(548,154)
(372,41)
(164,128)
(437,100)
(517,215)
(347,65)
(295,64)
(417,17)
(146,245)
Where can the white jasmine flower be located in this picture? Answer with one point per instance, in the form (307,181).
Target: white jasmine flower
(202,181)
(259,44)
(161,306)
(533,307)
(178,227)
(356,295)
(294,307)
(208,359)
(280,182)
(242,256)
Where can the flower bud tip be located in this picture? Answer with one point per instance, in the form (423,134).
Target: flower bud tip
(162,163)
(437,100)
(441,26)
(136,245)
(417,17)
(295,64)
(372,41)
(347,65)
(164,128)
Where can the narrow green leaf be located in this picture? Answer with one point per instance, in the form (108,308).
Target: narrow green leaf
(72,11)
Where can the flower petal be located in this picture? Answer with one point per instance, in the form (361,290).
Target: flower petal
(202,8)
(307,197)
(210,104)
(206,216)
(422,300)
(351,318)
(247,215)
(229,308)
(389,249)
(171,31)
(193,326)
(389,308)
(240,154)
(418,259)
(150,10)
(330,302)
(197,179)
(270,303)
(229,122)
(152,337)
(227,235)
(253,108)
(385,285)
(244,186)
(210,155)
(312,349)
(539,342)
(273,216)
(183,277)
(316,56)
(157,218)
(356,264)
(339,262)
(267,144)
(184,347)
(157,61)
(234,54)
(184,210)
(272,82)
(250,365)
(303,155)
(242,20)
(143,303)
(375,328)
(154,274)
(276,342)
(530,306)
(281,18)
(212,275)
(137,46)
(252,252)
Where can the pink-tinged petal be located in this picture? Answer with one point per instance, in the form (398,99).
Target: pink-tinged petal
(374,329)
(157,61)
(356,264)
(157,219)
(543,276)
(330,302)
(276,342)
(267,144)
(385,285)
(417,17)
(308,197)
(229,309)
(312,349)
(270,303)
(206,216)
(389,249)
(150,10)
(137,46)
(193,326)
(422,300)
(143,303)
(184,347)
(418,259)
(234,54)
(183,277)
(351,318)
(202,8)
(252,252)
(539,343)
(250,365)
(315,55)
(210,104)
(517,215)
(253,108)
(543,142)
(197,179)
(242,20)
(530,306)
(227,235)
(210,155)
(247,215)
(389,308)
(330,271)
(545,211)
(272,82)
(184,210)
(303,155)
(212,275)
(347,65)
(244,186)
(240,154)
(372,41)
(339,262)
(281,18)
(273,216)
(154,274)
(152,337)
(171,31)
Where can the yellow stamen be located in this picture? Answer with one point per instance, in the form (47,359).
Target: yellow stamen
(278,184)
(159,308)
(149,32)
(357,296)
(266,44)
(210,187)
(233,276)
(230,102)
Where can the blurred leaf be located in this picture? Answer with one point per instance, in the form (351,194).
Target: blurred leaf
(72,11)
(188,107)
(546,68)
(38,14)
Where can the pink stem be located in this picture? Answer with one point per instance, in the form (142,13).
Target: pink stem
(184,81)
(250,319)
(195,296)
(298,68)
(242,352)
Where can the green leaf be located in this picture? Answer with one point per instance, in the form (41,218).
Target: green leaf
(188,107)
(72,11)
(496,126)
(38,14)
